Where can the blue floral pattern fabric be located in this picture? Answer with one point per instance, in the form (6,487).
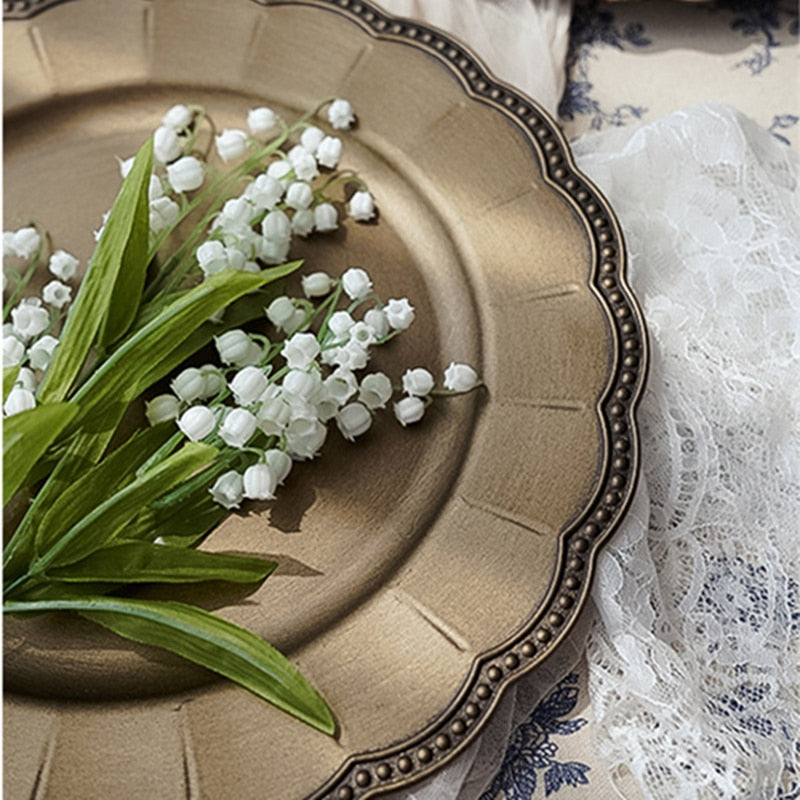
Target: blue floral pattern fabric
(532,766)
(623,63)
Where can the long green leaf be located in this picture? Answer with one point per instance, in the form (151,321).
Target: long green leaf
(127,291)
(9,379)
(102,525)
(26,436)
(143,562)
(204,639)
(91,306)
(61,508)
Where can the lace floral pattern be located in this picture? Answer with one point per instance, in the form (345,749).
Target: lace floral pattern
(694,656)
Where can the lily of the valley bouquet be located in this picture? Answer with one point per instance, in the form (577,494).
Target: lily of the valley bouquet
(190,259)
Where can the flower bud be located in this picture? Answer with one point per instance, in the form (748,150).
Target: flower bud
(409,410)
(340,114)
(231,144)
(261,120)
(237,427)
(326,217)
(167,145)
(300,350)
(362,207)
(197,422)
(57,294)
(460,378)
(317,284)
(18,400)
(311,138)
(161,408)
(248,385)
(353,420)
(418,382)
(228,490)
(329,151)
(63,265)
(356,283)
(399,313)
(185,174)
(41,352)
(376,390)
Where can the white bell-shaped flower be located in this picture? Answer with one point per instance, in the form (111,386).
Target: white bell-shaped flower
(13,351)
(273,416)
(329,151)
(361,207)
(237,427)
(303,163)
(56,294)
(197,422)
(211,257)
(231,144)
(303,222)
(228,489)
(248,385)
(326,218)
(375,390)
(317,284)
(178,117)
(356,283)
(259,483)
(185,174)
(162,408)
(311,138)
(164,214)
(300,350)
(18,400)
(399,313)
(167,145)
(304,437)
(460,377)
(418,382)
(26,379)
(353,420)
(280,311)
(29,320)
(279,463)
(340,114)
(261,120)
(340,323)
(375,319)
(264,191)
(63,265)
(41,352)
(299,195)
(189,384)
(409,410)
(233,346)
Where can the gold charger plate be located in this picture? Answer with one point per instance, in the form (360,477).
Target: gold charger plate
(422,570)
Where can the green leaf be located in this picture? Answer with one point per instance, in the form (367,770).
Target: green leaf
(59,507)
(94,300)
(9,379)
(143,562)
(204,639)
(109,518)
(127,291)
(152,351)
(26,436)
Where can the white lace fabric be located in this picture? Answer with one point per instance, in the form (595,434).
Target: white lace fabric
(694,656)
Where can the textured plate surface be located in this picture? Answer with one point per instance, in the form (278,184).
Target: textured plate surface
(421,569)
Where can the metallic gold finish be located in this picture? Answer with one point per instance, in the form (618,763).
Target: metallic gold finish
(422,570)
